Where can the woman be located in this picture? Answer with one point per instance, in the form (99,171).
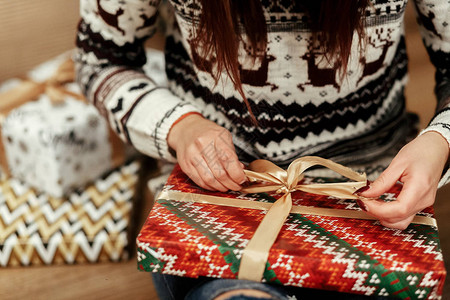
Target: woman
(274,80)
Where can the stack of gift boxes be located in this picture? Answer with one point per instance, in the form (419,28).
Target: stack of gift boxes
(67,184)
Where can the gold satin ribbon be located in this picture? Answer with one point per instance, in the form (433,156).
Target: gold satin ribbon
(296,209)
(256,253)
(30,90)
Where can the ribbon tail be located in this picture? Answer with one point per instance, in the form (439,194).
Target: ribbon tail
(65,72)
(341,190)
(58,93)
(261,188)
(255,255)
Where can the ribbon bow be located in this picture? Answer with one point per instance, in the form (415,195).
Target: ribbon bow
(29,90)
(255,255)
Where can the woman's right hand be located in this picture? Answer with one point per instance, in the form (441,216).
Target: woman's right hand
(206,153)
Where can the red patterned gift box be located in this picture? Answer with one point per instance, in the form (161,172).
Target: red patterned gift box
(349,255)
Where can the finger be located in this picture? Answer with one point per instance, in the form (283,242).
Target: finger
(219,173)
(203,182)
(384,182)
(192,173)
(235,172)
(226,137)
(397,210)
(206,174)
(208,165)
(402,225)
(231,164)
(227,153)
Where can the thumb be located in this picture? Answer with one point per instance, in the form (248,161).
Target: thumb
(383,183)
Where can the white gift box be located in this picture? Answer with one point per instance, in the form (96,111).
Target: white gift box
(56,147)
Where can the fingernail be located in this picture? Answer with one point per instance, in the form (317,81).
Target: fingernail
(243,166)
(363,189)
(362,205)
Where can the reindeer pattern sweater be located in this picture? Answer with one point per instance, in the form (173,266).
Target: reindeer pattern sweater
(301,105)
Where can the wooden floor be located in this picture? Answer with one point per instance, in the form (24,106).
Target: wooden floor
(123,281)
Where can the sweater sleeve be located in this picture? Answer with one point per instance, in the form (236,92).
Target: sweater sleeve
(434,21)
(109,59)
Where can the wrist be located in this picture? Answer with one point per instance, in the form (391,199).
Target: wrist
(440,140)
(179,126)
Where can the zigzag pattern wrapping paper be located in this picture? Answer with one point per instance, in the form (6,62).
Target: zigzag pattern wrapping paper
(346,255)
(90,225)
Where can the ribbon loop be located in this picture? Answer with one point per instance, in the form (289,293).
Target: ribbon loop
(301,164)
(269,168)
(281,181)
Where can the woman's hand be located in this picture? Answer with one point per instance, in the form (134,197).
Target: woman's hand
(419,166)
(206,153)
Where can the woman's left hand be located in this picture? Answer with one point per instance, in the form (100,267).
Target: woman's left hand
(419,166)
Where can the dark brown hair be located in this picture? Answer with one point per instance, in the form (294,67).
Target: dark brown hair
(222,21)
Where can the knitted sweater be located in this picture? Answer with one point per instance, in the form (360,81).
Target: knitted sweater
(301,105)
